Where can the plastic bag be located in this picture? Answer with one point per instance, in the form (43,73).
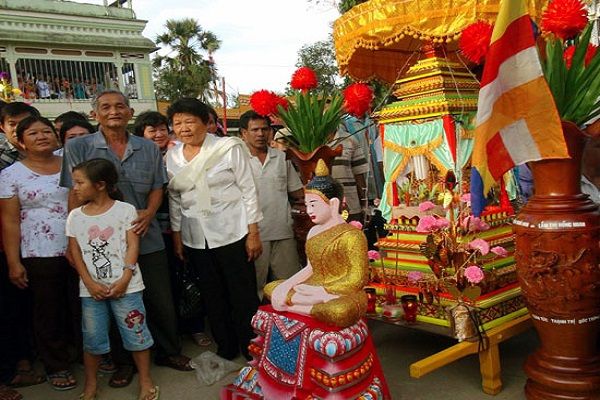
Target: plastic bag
(211,367)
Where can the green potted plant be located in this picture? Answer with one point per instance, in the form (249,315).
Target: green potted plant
(312,117)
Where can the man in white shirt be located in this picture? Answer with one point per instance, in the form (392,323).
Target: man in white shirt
(43,88)
(276,179)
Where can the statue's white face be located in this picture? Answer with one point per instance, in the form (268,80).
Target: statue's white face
(317,209)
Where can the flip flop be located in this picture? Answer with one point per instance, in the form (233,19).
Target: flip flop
(179,362)
(94,397)
(153,394)
(122,377)
(26,377)
(107,365)
(201,339)
(7,393)
(68,378)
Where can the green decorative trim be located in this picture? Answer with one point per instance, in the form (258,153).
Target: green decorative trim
(508,317)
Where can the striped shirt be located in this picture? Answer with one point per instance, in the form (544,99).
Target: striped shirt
(8,153)
(345,167)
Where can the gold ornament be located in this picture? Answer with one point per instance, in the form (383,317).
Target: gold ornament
(321,169)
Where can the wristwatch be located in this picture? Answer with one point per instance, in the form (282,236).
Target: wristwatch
(131,267)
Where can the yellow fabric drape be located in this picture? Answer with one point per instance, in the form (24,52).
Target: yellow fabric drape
(408,152)
(376,38)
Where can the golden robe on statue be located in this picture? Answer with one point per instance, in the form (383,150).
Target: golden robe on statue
(339,263)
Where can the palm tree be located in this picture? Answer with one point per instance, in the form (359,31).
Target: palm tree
(187,42)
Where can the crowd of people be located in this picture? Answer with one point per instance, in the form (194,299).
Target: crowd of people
(47,87)
(97,223)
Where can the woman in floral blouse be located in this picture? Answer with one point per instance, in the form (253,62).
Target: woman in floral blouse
(34,210)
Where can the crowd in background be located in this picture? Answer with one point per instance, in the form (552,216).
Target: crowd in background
(63,270)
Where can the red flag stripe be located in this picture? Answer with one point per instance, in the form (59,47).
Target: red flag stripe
(517,37)
(499,160)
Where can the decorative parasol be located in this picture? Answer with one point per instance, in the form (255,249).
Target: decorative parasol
(376,39)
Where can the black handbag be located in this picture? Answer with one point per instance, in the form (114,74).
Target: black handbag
(190,298)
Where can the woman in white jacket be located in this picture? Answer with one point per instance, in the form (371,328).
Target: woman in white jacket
(214,217)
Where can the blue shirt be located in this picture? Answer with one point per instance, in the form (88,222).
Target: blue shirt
(140,171)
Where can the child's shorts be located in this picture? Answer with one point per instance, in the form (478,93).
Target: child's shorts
(130,315)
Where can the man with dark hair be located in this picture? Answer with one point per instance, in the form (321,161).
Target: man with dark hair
(142,177)
(67,116)
(10,116)
(276,179)
(15,335)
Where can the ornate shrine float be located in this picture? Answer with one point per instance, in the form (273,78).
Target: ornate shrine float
(426,138)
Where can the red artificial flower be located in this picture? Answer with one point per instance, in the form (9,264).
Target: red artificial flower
(265,102)
(589,54)
(304,79)
(564,18)
(475,41)
(357,99)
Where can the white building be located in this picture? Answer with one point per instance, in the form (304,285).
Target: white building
(59,53)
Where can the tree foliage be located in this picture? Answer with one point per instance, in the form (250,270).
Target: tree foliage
(341,5)
(320,57)
(187,70)
(345,5)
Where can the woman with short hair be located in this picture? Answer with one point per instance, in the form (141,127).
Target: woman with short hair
(214,216)
(34,212)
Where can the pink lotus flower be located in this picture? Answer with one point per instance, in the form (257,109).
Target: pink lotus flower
(426,206)
(429,223)
(499,251)
(480,245)
(474,224)
(474,274)
(414,276)
(356,224)
(426,224)
(442,223)
(373,255)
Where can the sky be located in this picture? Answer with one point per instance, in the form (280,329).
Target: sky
(260,38)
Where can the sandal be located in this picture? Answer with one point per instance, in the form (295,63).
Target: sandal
(107,365)
(62,380)
(122,376)
(94,397)
(152,394)
(26,377)
(179,362)
(7,393)
(201,339)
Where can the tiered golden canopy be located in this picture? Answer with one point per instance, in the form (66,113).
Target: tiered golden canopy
(376,39)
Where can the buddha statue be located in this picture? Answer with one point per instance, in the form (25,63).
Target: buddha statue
(330,287)
(312,341)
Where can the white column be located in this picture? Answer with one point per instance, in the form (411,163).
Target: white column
(138,81)
(11,59)
(119,65)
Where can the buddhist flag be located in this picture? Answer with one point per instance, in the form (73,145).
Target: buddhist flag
(517,120)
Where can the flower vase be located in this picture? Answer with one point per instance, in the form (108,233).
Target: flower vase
(306,164)
(557,255)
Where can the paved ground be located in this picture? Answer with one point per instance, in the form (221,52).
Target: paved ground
(397,348)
